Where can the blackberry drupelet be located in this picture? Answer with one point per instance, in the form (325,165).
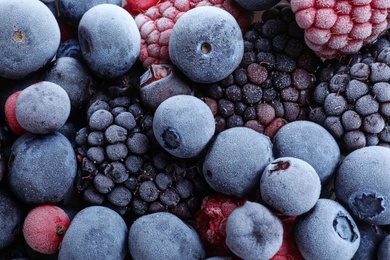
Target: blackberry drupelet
(122,166)
(273,83)
(352,97)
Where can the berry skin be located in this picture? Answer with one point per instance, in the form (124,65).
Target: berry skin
(166,236)
(235,161)
(102,233)
(183,125)
(106,54)
(361,184)
(44,228)
(212,49)
(337,229)
(253,230)
(42,108)
(36,33)
(155,25)
(211,219)
(10,114)
(290,185)
(336,28)
(384,249)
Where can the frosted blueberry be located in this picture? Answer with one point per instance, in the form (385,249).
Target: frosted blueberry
(327,231)
(109,40)
(96,232)
(361,184)
(253,232)
(29,39)
(235,161)
(163,235)
(290,185)
(206,44)
(183,125)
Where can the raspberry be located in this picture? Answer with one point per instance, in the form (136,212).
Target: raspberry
(289,249)
(10,114)
(211,220)
(156,25)
(44,228)
(336,28)
(135,7)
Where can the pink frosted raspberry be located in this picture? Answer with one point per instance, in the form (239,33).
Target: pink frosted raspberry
(44,228)
(156,24)
(334,28)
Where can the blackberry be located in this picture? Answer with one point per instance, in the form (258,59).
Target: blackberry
(352,95)
(277,69)
(121,165)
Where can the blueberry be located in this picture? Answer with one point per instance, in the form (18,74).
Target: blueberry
(212,49)
(361,184)
(235,161)
(11,218)
(69,48)
(72,10)
(183,125)
(24,32)
(370,238)
(163,235)
(160,82)
(310,142)
(42,168)
(110,46)
(384,249)
(290,185)
(42,108)
(73,76)
(253,231)
(333,225)
(96,232)
(257,5)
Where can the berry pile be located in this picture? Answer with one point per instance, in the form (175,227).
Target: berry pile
(122,166)
(351,98)
(273,84)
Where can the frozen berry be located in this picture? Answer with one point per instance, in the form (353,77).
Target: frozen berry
(257,5)
(253,230)
(36,33)
(235,161)
(10,114)
(44,228)
(289,185)
(106,54)
(336,227)
(183,125)
(42,108)
(101,231)
(167,236)
(212,49)
(139,6)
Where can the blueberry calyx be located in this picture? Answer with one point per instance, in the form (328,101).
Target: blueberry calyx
(19,36)
(205,48)
(171,138)
(344,227)
(367,205)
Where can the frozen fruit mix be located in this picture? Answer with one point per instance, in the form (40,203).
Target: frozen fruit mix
(107,134)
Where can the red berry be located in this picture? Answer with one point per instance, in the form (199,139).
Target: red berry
(289,249)
(336,28)
(10,114)
(140,6)
(67,31)
(211,220)
(44,228)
